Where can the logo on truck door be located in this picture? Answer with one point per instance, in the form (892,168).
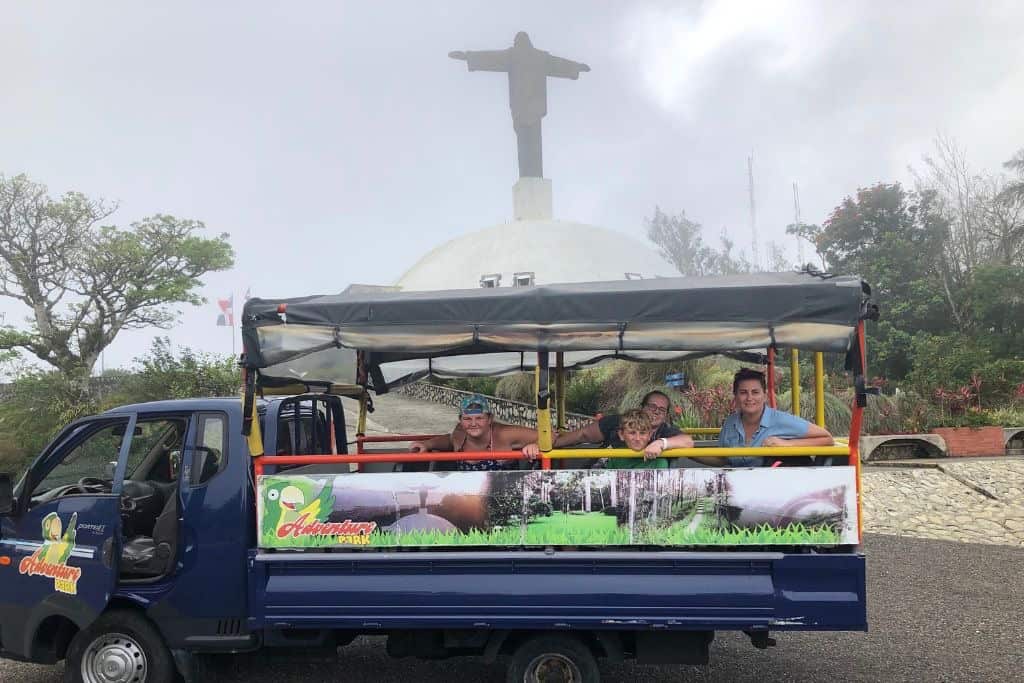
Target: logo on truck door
(51,559)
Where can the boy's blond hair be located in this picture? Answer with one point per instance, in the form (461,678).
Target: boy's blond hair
(635,419)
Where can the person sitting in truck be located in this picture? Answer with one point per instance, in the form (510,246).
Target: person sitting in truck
(606,431)
(478,431)
(756,424)
(636,431)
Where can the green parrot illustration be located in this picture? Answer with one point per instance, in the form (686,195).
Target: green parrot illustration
(285,501)
(56,546)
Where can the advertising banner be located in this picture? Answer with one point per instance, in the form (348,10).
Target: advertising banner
(674,507)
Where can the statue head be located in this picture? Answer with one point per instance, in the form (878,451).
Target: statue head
(522,40)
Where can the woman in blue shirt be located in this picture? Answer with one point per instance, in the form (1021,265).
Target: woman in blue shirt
(756,424)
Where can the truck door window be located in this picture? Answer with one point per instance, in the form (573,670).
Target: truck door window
(156,449)
(91,458)
(210,448)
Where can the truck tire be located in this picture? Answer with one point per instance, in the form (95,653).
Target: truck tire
(119,647)
(553,659)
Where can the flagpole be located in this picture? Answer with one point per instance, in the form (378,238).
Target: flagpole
(232,325)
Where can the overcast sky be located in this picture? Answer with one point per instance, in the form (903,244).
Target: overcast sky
(337,143)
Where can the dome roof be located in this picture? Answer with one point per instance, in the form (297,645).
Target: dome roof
(554,251)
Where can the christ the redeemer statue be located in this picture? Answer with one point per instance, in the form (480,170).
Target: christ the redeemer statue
(528,70)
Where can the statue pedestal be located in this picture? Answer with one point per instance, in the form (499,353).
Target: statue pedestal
(531,199)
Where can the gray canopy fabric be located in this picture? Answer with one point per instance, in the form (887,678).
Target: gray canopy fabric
(497,331)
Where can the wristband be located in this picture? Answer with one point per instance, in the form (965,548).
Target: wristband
(664,443)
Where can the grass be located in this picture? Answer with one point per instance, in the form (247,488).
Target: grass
(591,529)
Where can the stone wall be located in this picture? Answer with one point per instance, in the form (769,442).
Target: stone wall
(510,412)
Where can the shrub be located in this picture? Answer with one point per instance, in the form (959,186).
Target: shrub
(583,392)
(474,385)
(517,387)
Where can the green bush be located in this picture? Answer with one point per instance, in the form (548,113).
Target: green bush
(837,409)
(583,392)
(474,385)
(517,387)
(40,403)
(1009,416)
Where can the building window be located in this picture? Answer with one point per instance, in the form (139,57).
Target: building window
(490,280)
(522,279)
(634,276)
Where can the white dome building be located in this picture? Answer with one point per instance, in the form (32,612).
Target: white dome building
(536,251)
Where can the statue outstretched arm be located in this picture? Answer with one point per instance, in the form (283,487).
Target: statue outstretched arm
(559,67)
(483,60)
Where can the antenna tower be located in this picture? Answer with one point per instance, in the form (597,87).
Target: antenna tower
(753,214)
(796,220)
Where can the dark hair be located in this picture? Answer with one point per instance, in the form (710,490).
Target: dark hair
(656,392)
(748,373)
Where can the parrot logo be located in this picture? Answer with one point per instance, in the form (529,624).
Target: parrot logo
(286,501)
(52,557)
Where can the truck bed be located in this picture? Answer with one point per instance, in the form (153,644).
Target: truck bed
(630,590)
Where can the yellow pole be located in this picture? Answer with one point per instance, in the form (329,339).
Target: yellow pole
(560,388)
(819,388)
(361,420)
(794,379)
(543,407)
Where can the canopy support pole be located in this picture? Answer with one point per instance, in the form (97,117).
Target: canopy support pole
(819,389)
(541,380)
(560,388)
(771,377)
(794,380)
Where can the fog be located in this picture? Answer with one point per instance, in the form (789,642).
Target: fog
(338,143)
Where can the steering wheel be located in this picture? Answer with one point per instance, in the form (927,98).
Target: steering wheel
(95,485)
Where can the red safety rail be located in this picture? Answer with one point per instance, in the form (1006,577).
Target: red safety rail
(855,424)
(387,438)
(327,459)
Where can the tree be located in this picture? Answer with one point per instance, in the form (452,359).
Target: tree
(811,233)
(83,283)
(1015,191)
(679,241)
(893,239)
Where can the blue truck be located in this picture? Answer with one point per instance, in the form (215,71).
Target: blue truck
(131,549)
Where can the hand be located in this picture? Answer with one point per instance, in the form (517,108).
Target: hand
(531,451)
(457,54)
(653,450)
(775,441)
(418,447)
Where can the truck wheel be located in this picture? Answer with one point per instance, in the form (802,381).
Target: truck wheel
(553,659)
(119,647)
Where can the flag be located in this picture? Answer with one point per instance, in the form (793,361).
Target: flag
(227,312)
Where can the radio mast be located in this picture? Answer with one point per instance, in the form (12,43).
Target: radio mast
(753,214)
(796,221)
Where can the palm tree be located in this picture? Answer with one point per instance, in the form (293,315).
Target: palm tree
(1014,191)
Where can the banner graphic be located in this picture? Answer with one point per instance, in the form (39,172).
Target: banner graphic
(675,507)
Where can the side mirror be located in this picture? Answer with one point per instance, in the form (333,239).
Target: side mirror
(6,494)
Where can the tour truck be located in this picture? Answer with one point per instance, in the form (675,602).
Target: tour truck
(146,540)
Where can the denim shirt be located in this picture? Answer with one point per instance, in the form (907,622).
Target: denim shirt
(773,423)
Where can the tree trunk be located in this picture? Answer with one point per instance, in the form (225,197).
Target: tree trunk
(632,503)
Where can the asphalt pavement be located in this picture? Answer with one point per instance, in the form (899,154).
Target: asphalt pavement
(938,611)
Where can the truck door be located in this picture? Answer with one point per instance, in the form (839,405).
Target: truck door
(64,537)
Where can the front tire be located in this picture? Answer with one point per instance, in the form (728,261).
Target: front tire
(121,646)
(553,659)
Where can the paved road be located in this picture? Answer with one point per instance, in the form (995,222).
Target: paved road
(939,611)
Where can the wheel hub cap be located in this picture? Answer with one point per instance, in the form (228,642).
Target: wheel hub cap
(553,668)
(114,658)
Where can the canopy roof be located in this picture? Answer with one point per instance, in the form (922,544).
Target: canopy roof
(490,331)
